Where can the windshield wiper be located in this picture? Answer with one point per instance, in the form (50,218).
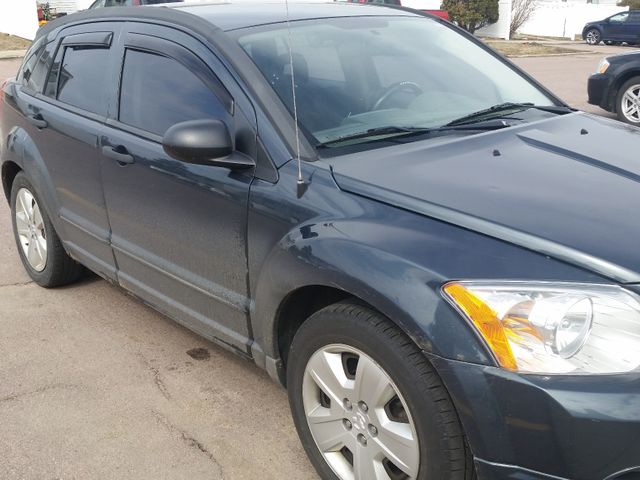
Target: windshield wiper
(404,131)
(506,107)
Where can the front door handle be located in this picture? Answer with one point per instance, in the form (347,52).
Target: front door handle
(37,121)
(119,154)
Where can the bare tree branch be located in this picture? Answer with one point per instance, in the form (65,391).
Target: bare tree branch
(521,11)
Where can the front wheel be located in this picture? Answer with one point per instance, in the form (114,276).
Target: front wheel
(593,36)
(368,405)
(628,102)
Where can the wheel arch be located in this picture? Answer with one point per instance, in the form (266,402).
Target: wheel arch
(9,171)
(301,304)
(412,301)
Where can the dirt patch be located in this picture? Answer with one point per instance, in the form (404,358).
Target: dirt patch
(519,49)
(199,353)
(10,42)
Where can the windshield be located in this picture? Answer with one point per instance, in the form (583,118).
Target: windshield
(357,74)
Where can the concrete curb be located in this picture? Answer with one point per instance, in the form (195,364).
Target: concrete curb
(566,54)
(9,54)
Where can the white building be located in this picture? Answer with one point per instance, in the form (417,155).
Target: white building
(557,18)
(19,17)
(66,6)
(501,28)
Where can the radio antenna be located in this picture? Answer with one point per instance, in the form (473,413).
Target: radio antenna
(300,182)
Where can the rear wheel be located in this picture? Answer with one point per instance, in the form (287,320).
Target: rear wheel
(367,403)
(593,36)
(40,248)
(628,102)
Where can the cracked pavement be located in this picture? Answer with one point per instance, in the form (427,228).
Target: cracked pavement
(95,385)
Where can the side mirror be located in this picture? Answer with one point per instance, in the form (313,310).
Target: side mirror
(203,142)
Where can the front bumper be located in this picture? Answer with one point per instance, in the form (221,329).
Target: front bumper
(598,88)
(547,427)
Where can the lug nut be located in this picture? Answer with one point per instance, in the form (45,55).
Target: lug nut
(346,403)
(347,424)
(362,440)
(373,430)
(363,406)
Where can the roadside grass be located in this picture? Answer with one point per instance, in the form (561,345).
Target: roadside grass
(518,49)
(11,42)
(533,38)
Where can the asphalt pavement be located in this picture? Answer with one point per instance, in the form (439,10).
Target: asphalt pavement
(566,75)
(95,385)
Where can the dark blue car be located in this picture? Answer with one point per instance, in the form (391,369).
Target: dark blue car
(622,27)
(438,259)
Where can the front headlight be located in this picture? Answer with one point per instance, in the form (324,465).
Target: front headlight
(553,328)
(603,66)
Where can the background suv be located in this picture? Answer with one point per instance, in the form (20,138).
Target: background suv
(619,28)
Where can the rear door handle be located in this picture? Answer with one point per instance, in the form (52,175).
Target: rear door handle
(119,154)
(37,121)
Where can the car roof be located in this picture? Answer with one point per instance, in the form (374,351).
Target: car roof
(232,16)
(225,15)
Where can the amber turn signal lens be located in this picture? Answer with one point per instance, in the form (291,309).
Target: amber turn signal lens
(486,321)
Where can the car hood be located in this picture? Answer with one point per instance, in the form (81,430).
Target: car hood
(624,57)
(568,187)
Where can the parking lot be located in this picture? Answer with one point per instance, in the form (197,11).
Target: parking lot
(94,384)
(566,75)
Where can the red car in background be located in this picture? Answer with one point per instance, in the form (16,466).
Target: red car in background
(128,3)
(438,13)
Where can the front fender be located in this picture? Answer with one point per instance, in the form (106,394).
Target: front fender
(623,73)
(407,293)
(393,259)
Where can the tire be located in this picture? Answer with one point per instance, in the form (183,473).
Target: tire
(39,246)
(593,36)
(414,402)
(628,102)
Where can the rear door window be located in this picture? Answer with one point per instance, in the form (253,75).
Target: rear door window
(83,78)
(158,92)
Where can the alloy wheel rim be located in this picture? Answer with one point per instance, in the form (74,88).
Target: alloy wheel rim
(31,230)
(358,418)
(631,104)
(593,37)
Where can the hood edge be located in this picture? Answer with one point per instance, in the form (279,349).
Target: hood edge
(498,231)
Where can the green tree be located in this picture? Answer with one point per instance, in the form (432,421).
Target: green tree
(473,14)
(632,4)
